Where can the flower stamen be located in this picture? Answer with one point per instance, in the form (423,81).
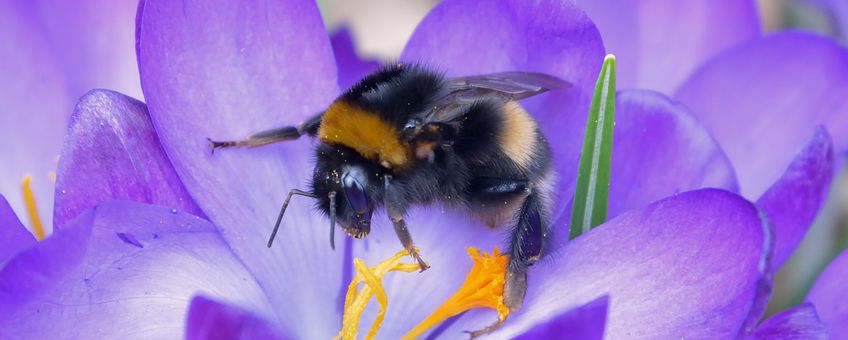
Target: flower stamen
(355,301)
(483,288)
(31,208)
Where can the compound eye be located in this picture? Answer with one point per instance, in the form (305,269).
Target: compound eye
(355,194)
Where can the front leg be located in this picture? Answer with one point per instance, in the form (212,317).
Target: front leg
(396,209)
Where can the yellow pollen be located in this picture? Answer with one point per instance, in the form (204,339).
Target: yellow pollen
(52,174)
(355,301)
(483,288)
(32,210)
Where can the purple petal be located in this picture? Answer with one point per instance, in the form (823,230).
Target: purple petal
(86,281)
(13,236)
(225,70)
(660,150)
(549,36)
(34,103)
(112,152)
(351,67)
(793,202)
(688,266)
(761,101)
(503,36)
(585,322)
(95,39)
(801,323)
(828,294)
(209,319)
(659,43)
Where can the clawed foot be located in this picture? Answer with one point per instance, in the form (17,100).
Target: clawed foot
(491,328)
(214,144)
(417,257)
(514,289)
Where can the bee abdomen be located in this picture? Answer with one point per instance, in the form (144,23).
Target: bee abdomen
(519,139)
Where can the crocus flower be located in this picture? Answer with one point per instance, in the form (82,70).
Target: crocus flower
(696,264)
(53,52)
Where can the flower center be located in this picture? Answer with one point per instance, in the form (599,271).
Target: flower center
(356,300)
(483,288)
(31,208)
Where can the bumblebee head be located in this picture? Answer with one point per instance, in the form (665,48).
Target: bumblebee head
(347,187)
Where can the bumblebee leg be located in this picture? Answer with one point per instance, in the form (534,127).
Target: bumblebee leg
(281,134)
(526,245)
(396,208)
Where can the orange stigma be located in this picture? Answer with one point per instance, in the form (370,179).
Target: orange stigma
(483,288)
(31,208)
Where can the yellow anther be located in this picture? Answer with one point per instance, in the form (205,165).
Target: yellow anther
(483,288)
(355,301)
(32,210)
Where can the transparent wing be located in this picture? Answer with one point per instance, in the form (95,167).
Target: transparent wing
(505,86)
(514,85)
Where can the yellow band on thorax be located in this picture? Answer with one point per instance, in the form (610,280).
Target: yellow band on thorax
(365,132)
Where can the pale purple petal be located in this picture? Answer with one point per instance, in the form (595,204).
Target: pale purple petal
(689,266)
(351,67)
(828,294)
(53,52)
(210,319)
(793,202)
(659,150)
(34,106)
(549,36)
(584,323)
(797,323)
(657,44)
(762,101)
(94,40)
(13,235)
(225,70)
(122,270)
(112,152)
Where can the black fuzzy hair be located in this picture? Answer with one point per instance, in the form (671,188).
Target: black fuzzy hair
(395,91)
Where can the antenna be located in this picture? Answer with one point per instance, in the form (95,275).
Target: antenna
(283,211)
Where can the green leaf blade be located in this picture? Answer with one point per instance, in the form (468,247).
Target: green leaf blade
(592,192)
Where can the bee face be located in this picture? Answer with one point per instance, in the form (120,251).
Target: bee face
(356,183)
(356,217)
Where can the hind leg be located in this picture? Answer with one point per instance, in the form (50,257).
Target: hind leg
(526,245)
(528,241)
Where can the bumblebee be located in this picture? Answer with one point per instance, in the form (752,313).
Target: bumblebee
(407,135)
